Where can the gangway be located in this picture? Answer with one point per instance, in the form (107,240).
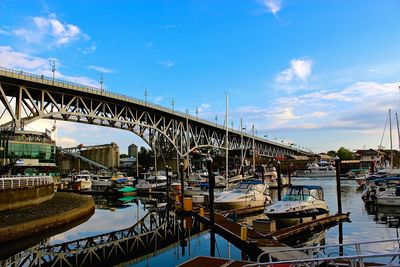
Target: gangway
(76,155)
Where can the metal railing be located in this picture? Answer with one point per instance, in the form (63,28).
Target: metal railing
(314,256)
(13,182)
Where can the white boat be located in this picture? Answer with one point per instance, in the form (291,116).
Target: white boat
(389,197)
(84,178)
(302,203)
(248,193)
(152,181)
(320,169)
(98,180)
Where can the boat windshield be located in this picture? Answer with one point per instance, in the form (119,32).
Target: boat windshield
(303,194)
(249,186)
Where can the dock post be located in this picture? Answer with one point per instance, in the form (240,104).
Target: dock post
(211,185)
(168,182)
(262,173)
(338,193)
(182,185)
(290,174)
(278,170)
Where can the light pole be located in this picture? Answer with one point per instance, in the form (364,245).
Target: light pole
(197,112)
(145,95)
(101,81)
(216,119)
(173,103)
(53,67)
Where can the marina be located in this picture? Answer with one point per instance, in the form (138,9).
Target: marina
(199,133)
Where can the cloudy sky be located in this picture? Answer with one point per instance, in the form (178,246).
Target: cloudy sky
(320,74)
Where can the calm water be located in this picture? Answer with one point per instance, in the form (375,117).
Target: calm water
(114,215)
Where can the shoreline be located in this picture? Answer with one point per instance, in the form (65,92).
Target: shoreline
(62,209)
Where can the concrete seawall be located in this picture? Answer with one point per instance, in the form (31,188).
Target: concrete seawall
(24,197)
(62,209)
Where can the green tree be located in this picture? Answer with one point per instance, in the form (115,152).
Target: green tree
(344,153)
(332,153)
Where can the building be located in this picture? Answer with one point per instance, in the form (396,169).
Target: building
(29,150)
(371,155)
(132,150)
(107,154)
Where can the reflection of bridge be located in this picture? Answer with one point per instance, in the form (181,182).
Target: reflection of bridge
(26,98)
(156,230)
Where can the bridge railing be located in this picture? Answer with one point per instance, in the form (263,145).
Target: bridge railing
(24,181)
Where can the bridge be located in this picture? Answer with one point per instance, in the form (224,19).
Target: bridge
(26,97)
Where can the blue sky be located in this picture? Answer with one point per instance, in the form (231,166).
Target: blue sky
(320,74)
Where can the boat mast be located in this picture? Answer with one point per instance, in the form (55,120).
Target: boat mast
(254,152)
(391,143)
(398,130)
(241,145)
(226,141)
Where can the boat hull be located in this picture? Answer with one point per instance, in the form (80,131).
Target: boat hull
(388,201)
(293,218)
(228,205)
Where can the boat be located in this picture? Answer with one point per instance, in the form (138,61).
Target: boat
(271,177)
(100,181)
(247,193)
(127,190)
(84,178)
(302,203)
(152,181)
(320,169)
(389,197)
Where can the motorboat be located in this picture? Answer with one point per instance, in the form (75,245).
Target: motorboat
(271,177)
(247,193)
(383,191)
(84,178)
(320,169)
(302,203)
(152,181)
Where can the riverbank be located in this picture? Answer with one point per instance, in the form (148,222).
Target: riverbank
(62,209)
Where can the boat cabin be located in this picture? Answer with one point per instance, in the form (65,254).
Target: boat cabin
(304,193)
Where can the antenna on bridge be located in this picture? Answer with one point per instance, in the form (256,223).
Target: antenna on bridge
(101,81)
(53,67)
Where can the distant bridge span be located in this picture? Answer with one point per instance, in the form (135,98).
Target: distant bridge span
(27,97)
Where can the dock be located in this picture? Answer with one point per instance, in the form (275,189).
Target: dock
(256,243)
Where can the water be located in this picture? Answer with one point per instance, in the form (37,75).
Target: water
(111,215)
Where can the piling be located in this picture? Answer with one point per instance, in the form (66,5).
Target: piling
(168,181)
(211,185)
(182,184)
(278,170)
(338,193)
(290,173)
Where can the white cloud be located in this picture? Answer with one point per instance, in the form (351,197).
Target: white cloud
(166,63)
(273,6)
(203,107)
(66,142)
(300,69)
(9,58)
(100,69)
(158,99)
(50,31)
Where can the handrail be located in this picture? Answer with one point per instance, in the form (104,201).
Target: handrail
(24,181)
(308,250)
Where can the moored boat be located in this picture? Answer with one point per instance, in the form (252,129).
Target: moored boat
(302,203)
(320,169)
(248,193)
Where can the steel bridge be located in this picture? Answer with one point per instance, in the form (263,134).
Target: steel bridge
(25,98)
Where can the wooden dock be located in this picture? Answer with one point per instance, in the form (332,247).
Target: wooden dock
(257,243)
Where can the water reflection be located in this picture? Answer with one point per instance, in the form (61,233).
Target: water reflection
(113,214)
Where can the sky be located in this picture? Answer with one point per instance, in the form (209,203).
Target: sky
(319,74)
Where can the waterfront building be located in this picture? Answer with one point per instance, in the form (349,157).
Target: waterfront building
(29,150)
(132,150)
